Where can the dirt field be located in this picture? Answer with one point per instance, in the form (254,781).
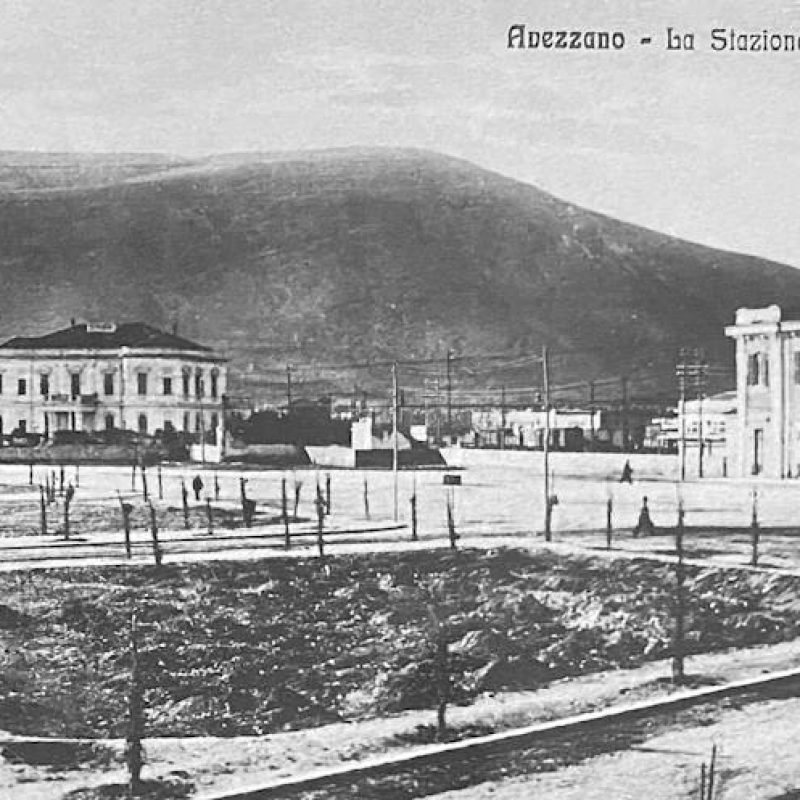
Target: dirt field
(252,647)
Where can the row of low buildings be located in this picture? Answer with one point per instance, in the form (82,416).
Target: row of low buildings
(752,430)
(136,377)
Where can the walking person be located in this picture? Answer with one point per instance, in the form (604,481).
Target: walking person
(627,473)
(197,486)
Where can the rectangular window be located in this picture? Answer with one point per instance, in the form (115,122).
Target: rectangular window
(44,385)
(167,385)
(186,380)
(214,384)
(186,421)
(198,384)
(752,369)
(22,386)
(109,422)
(75,384)
(141,382)
(142,423)
(108,383)
(765,369)
(1,383)
(797,367)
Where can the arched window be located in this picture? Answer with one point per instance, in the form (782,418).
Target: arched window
(142,423)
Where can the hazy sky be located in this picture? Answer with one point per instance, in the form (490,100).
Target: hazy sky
(703,145)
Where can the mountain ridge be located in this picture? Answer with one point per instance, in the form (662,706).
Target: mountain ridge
(357,254)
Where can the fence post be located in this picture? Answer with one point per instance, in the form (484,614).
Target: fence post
(678,672)
(287,542)
(30,473)
(319,502)
(160,482)
(609,522)
(327,494)
(157,552)
(70,493)
(61,479)
(216,488)
(133,475)
(451,523)
(185,500)
(77,476)
(210,514)
(414,536)
(43,510)
(755,533)
(366,498)
(145,495)
(126,523)
(298,486)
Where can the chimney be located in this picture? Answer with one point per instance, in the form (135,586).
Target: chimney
(72,322)
(174,327)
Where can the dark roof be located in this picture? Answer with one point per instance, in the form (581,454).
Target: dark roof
(108,337)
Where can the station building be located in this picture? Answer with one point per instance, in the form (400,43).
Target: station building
(767,430)
(102,377)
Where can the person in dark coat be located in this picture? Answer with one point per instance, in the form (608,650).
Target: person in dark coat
(627,473)
(645,524)
(197,485)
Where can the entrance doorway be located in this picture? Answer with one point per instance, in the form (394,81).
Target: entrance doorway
(758,451)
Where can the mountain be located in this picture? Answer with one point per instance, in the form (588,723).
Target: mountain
(335,257)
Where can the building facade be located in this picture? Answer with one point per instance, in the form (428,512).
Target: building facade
(767,392)
(104,377)
(706,435)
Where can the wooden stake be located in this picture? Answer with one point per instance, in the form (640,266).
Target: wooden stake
(755,533)
(320,505)
(43,510)
(287,542)
(126,523)
(157,552)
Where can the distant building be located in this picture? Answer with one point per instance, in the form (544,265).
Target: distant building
(711,421)
(525,428)
(99,377)
(767,392)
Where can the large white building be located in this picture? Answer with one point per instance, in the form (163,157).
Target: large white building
(767,392)
(128,376)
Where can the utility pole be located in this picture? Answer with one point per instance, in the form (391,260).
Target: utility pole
(395,403)
(700,374)
(438,414)
(503,417)
(681,371)
(625,422)
(449,392)
(546,385)
(692,366)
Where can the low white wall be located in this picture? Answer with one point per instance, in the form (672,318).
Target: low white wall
(603,465)
(332,456)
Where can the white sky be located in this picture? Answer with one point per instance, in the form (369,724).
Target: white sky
(702,145)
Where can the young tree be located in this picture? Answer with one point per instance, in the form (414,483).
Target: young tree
(134,753)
